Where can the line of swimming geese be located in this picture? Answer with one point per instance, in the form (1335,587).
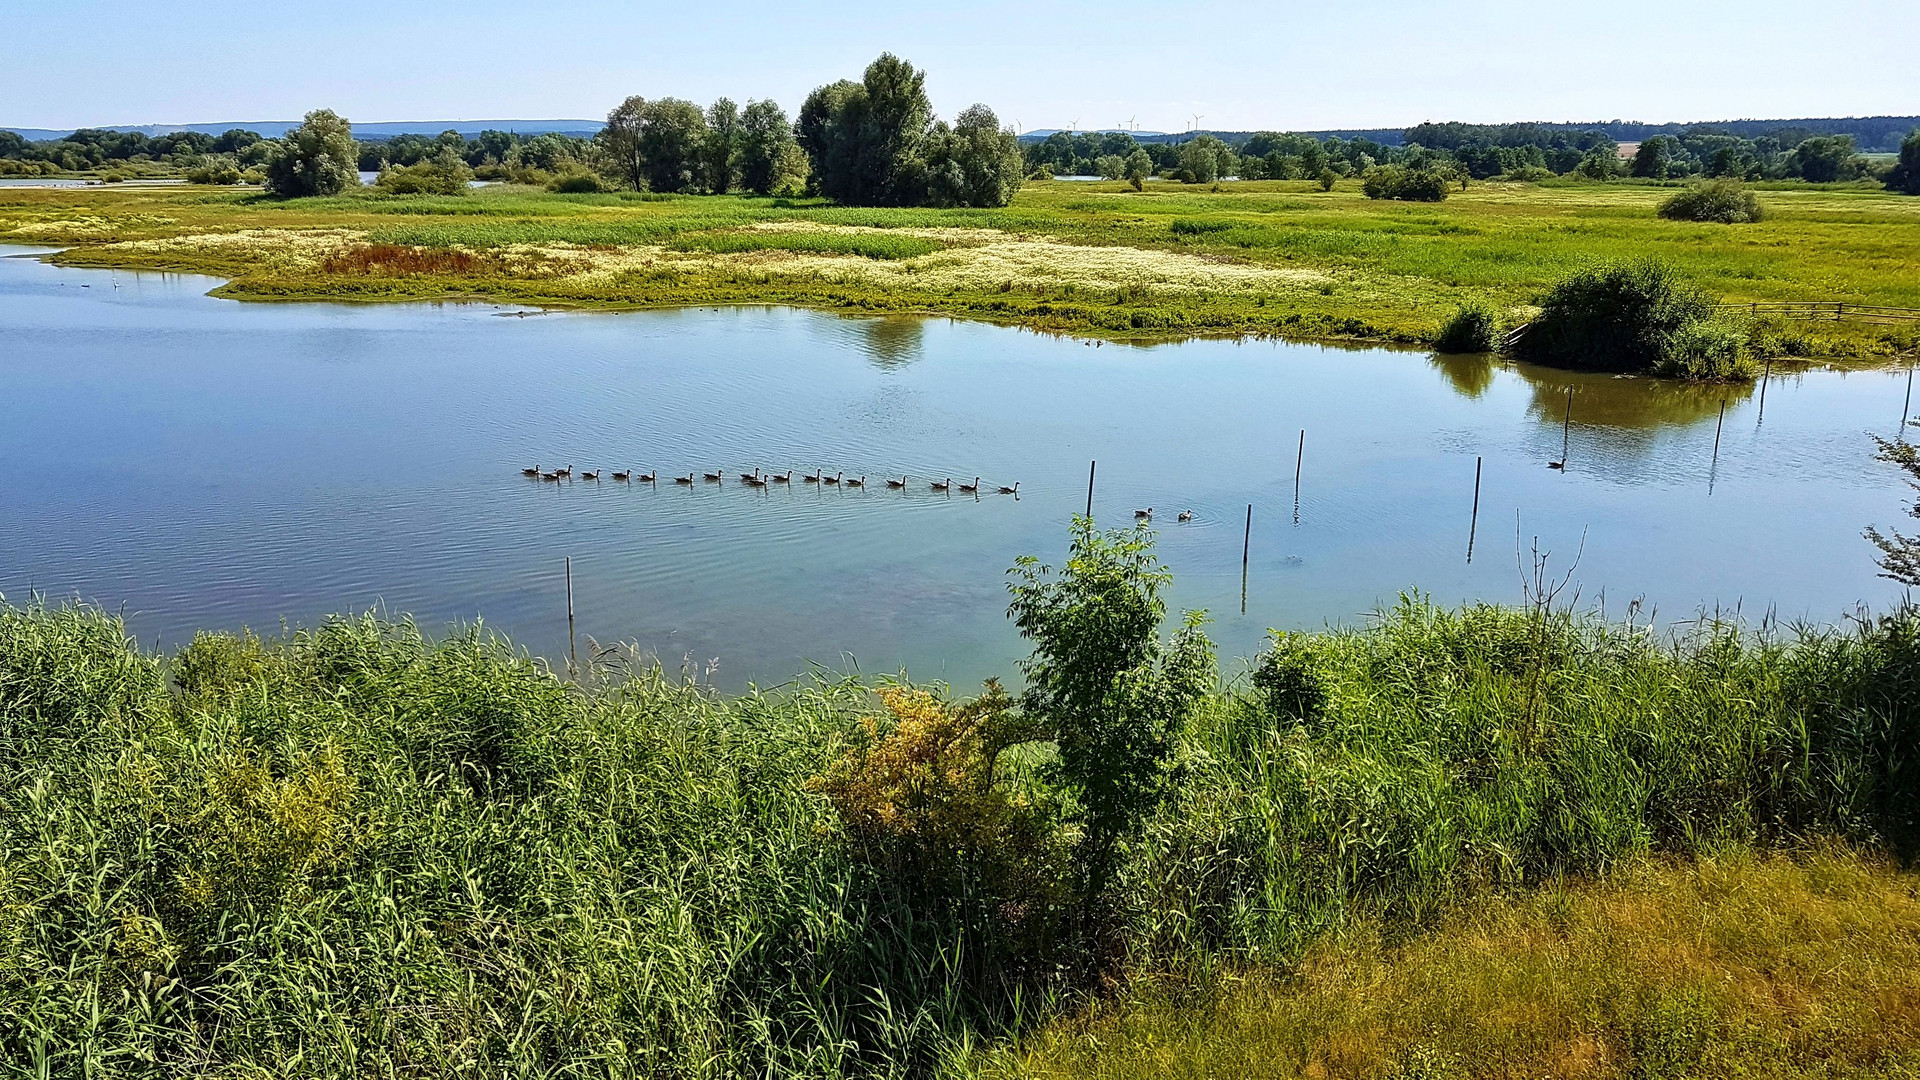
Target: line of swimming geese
(757,478)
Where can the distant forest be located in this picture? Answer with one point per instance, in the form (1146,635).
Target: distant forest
(1810,149)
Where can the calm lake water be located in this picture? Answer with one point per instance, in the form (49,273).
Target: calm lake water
(205,463)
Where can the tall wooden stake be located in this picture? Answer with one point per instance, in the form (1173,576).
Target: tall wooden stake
(1566,431)
(1907,405)
(573,657)
(1765,377)
(1713,471)
(1246,546)
(1299,456)
(1090,467)
(1473,523)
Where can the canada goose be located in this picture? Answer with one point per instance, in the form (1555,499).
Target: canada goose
(566,472)
(594,475)
(535,471)
(1144,515)
(1014,490)
(714,476)
(900,483)
(623,476)
(942,485)
(834,479)
(687,479)
(750,477)
(645,478)
(813,479)
(862,482)
(975,486)
(1561,465)
(550,476)
(755,481)
(781,478)
(1186,515)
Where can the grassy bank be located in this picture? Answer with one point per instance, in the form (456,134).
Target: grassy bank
(1280,258)
(1724,967)
(354,851)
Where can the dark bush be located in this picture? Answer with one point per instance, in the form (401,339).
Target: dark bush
(1614,317)
(1409,185)
(1288,682)
(1470,330)
(576,183)
(1905,177)
(1725,201)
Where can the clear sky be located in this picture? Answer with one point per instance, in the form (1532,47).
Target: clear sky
(1282,64)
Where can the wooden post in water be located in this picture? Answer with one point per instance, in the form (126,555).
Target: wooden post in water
(1566,431)
(1299,456)
(1246,546)
(1906,406)
(1473,523)
(1713,471)
(1765,377)
(573,657)
(1090,467)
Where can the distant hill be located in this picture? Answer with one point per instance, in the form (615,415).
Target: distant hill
(372,132)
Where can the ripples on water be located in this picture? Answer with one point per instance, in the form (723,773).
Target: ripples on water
(212,464)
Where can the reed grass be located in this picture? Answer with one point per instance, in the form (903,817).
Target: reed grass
(353,850)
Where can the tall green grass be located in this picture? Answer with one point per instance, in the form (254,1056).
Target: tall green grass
(357,851)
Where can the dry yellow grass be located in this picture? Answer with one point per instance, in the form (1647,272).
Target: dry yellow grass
(1806,967)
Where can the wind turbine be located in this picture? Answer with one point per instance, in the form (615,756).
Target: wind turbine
(1197,117)
(1073,128)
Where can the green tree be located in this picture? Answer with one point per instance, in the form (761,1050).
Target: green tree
(317,158)
(673,132)
(722,145)
(1139,167)
(974,163)
(791,174)
(1110,166)
(863,139)
(1111,694)
(1825,159)
(620,140)
(1654,158)
(1200,159)
(764,136)
(1905,176)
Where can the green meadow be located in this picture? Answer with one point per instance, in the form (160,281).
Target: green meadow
(1281,258)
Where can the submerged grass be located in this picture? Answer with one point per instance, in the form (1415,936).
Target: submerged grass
(355,851)
(1275,257)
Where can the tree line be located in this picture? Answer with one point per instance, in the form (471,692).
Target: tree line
(1468,151)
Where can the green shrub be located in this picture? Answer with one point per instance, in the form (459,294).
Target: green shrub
(1102,685)
(1409,185)
(580,182)
(1613,317)
(1905,177)
(1289,685)
(1327,179)
(214,172)
(1472,329)
(445,174)
(1714,349)
(1192,227)
(1528,174)
(1721,200)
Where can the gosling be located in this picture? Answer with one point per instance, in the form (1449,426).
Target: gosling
(1186,515)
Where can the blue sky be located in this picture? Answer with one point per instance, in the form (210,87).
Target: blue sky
(1240,65)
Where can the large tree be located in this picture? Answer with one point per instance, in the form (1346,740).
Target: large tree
(620,140)
(973,163)
(864,139)
(722,145)
(764,134)
(317,158)
(1905,176)
(673,132)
